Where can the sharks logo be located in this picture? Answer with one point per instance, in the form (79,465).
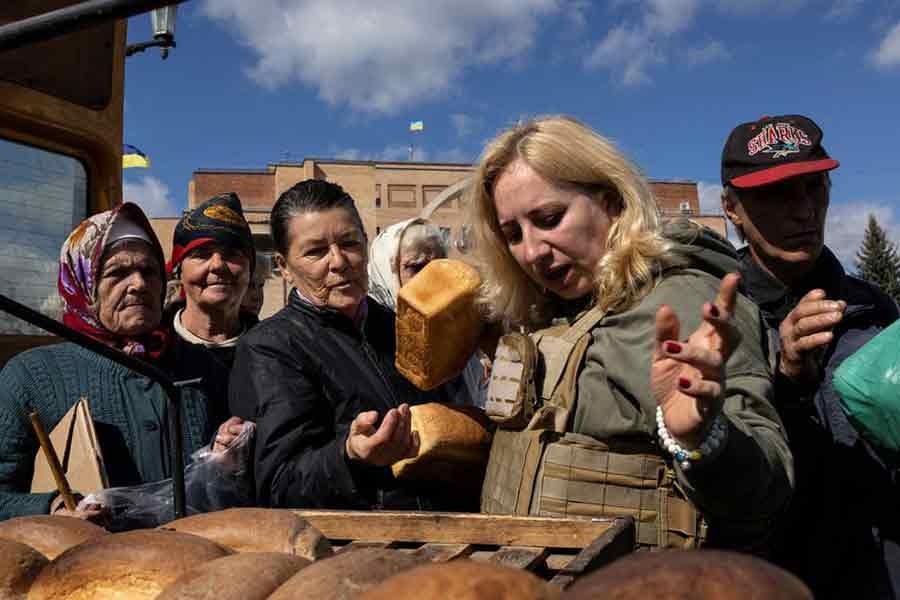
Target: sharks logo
(781,150)
(778,139)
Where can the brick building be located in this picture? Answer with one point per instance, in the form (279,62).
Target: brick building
(385,192)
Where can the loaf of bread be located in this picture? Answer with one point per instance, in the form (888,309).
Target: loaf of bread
(463,580)
(438,326)
(134,565)
(19,566)
(247,576)
(49,535)
(454,444)
(257,530)
(689,575)
(345,575)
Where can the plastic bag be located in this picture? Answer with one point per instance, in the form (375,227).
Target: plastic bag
(213,481)
(868,386)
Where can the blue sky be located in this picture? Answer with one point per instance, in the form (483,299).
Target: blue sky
(252,83)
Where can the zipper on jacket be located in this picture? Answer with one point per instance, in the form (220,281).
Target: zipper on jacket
(373,358)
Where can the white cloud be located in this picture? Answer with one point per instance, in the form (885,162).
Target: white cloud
(391,152)
(631,49)
(711,204)
(348,154)
(847,223)
(888,53)
(378,56)
(628,52)
(745,7)
(710,198)
(711,52)
(152,195)
(576,14)
(669,16)
(465,125)
(842,10)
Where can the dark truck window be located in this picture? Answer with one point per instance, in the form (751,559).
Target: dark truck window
(43,196)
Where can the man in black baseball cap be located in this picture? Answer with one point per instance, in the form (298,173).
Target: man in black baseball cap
(838,534)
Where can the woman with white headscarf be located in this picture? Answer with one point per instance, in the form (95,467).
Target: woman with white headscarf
(397,254)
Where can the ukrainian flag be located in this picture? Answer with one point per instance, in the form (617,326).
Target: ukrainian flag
(132,157)
(417,126)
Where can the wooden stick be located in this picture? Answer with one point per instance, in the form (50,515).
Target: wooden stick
(62,484)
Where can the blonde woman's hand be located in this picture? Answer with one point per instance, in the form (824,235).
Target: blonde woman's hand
(688,378)
(392,441)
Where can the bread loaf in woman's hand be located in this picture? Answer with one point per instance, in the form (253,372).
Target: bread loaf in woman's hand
(134,565)
(49,535)
(454,444)
(19,566)
(438,326)
(247,576)
(257,530)
(463,580)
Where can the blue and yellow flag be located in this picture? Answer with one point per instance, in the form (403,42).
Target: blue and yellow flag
(417,126)
(132,157)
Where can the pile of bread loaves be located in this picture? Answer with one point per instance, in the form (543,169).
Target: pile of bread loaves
(244,553)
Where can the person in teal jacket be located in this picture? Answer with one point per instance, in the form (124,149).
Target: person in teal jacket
(111,280)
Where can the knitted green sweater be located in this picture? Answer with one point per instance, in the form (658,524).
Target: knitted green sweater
(128,412)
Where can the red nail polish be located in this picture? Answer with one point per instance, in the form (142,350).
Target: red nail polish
(714,310)
(673,347)
(684,382)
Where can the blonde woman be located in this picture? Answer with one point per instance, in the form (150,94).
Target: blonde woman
(671,368)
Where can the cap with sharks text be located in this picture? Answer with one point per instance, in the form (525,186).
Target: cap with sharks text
(773,149)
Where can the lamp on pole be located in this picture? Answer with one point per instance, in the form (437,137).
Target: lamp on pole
(162,21)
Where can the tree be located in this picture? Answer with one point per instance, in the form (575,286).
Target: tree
(877,260)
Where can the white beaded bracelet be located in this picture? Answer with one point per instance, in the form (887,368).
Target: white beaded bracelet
(715,438)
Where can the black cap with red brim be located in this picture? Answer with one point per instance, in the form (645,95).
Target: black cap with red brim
(773,149)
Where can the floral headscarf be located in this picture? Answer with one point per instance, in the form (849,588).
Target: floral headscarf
(79,271)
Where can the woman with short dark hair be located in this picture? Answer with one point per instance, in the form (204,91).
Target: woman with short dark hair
(318,377)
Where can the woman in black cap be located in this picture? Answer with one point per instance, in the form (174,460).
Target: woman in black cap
(212,261)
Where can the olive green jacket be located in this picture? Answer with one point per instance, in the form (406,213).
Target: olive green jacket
(742,490)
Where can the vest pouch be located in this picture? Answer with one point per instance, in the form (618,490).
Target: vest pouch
(581,476)
(512,397)
(511,471)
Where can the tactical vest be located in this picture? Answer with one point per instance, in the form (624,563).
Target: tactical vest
(537,468)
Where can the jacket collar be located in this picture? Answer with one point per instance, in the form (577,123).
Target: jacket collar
(776,299)
(298,301)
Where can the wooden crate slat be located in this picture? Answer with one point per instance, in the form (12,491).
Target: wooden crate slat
(443,552)
(519,557)
(615,543)
(557,561)
(457,528)
(481,555)
(364,544)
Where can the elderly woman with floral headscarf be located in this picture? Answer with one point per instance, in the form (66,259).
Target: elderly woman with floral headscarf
(397,254)
(111,280)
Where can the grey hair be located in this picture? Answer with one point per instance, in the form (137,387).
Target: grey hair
(421,233)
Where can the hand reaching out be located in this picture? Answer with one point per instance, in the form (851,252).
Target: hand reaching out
(805,333)
(688,378)
(392,441)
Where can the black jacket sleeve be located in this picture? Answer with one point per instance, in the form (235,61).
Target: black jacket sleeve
(299,456)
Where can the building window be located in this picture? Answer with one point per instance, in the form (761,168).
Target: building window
(433,191)
(402,196)
(377,195)
(377,230)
